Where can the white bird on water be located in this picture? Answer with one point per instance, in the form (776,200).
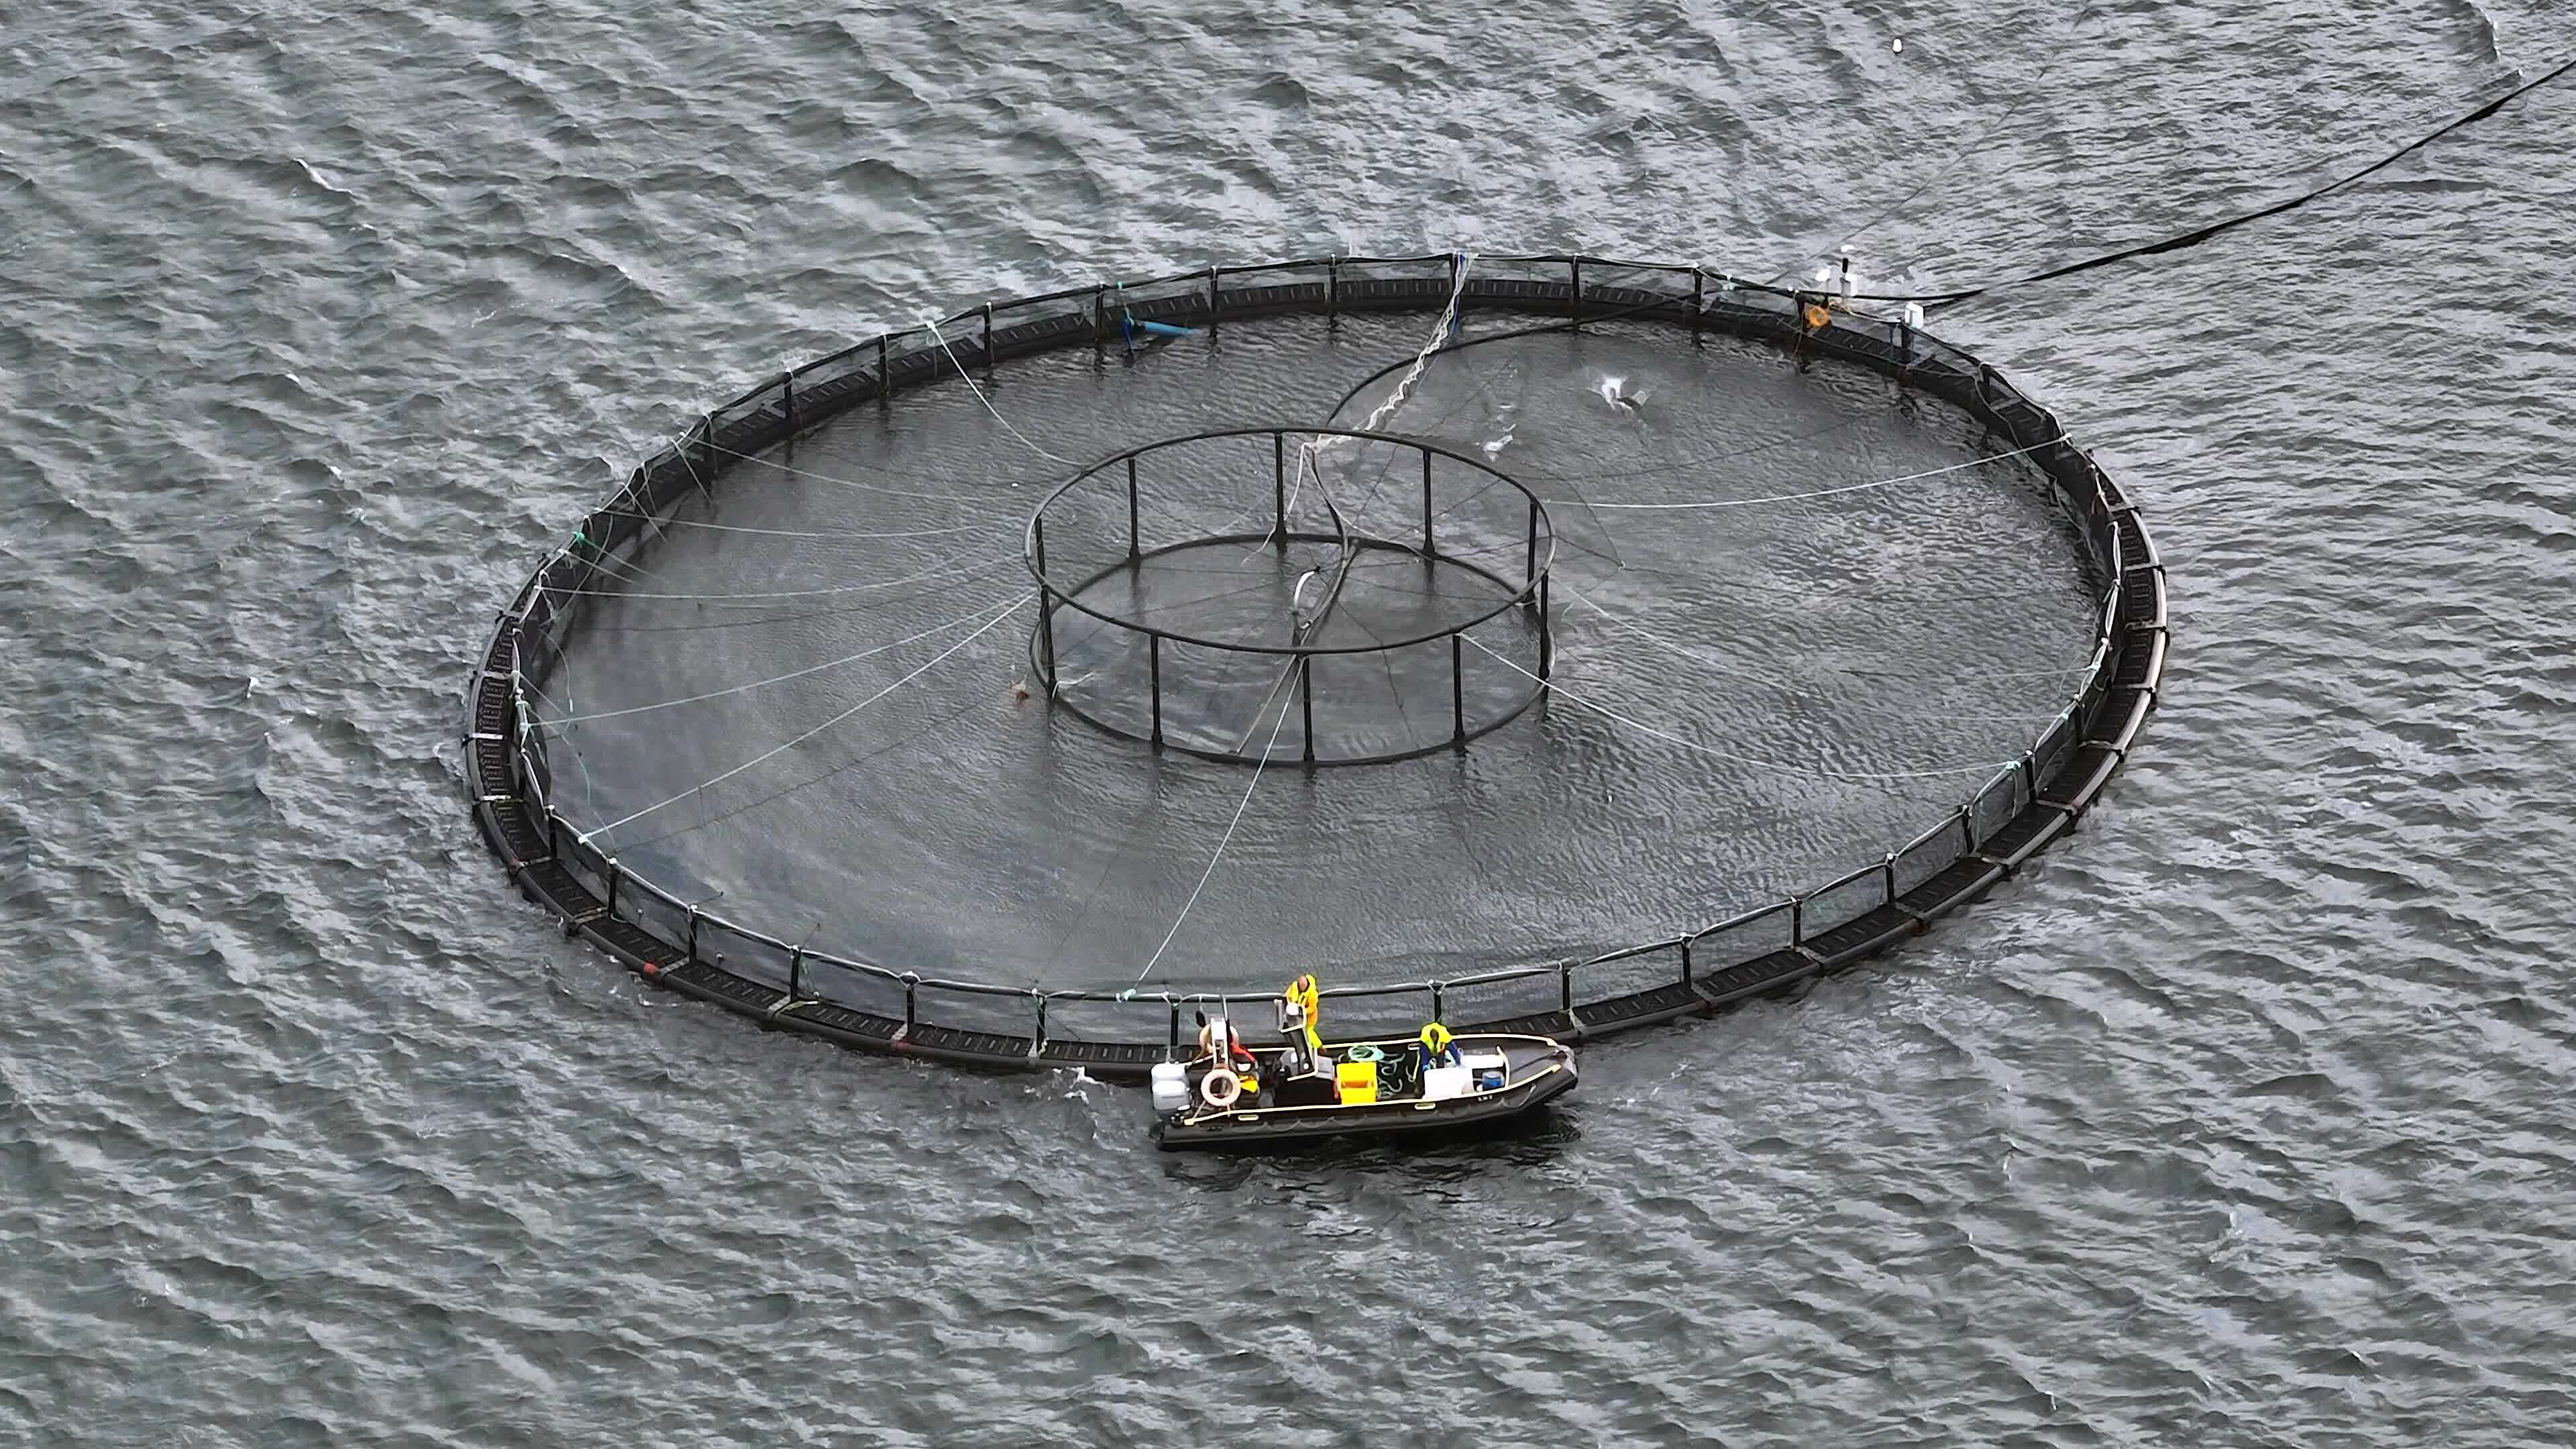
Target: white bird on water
(1614,391)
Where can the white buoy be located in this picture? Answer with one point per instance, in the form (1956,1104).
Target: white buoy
(1900,47)
(1914,315)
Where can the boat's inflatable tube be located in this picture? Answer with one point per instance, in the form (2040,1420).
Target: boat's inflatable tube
(1219,1088)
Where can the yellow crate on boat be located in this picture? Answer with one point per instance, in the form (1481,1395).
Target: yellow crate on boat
(1355,1083)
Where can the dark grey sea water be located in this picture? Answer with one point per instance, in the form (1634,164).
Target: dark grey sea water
(2243,1119)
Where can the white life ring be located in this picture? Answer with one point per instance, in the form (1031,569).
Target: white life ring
(1219,1088)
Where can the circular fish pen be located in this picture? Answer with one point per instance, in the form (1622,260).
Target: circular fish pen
(971,693)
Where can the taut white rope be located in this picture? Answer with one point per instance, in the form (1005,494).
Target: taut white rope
(917,671)
(1817,771)
(1826,492)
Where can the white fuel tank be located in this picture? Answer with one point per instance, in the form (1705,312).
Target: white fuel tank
(1171,1086)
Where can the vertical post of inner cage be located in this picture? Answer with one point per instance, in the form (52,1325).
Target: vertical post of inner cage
(1279,488)
(883,376)
(693,933)
(1457,693)
(1133,552)
(1436,1012)
(1458,299)
(1099,318)
(796,972)
(1046,599)
(1333,293)
(1427,548)
(1154,666)
(1546,633)
(988,337)
(1306,700)
(1686,961)
(787,399)
(1529,566)
(1212,294)
(1574,292)
(1699,310)
(1176,1022)
(612,885)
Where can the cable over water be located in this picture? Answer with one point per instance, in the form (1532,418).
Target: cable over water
(2194,237)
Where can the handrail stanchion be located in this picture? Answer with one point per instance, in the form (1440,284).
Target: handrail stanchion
(911,1003)
(1529,560)
(1429,550)
(1437,1014)
(1154,684)
(1457,694)
(1306,702)
(613,872)
(1546,632)
(1686,961)
(1565,988)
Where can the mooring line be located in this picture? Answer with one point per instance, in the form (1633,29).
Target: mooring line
(1228,838)
(999,615)
(1817,771)
(969,380)
(840,482)
(1828,492)
(774,679)
(806,533)
(982,565)
(1714,667)
(2197,235)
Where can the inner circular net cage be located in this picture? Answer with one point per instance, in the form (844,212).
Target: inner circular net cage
(1323,595)
(1821,604)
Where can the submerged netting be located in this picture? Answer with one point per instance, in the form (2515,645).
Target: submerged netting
(997,659)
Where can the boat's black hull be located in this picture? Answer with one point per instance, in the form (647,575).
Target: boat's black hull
(1384,1120)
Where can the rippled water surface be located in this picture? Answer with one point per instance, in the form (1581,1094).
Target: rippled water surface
(2241,1119)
